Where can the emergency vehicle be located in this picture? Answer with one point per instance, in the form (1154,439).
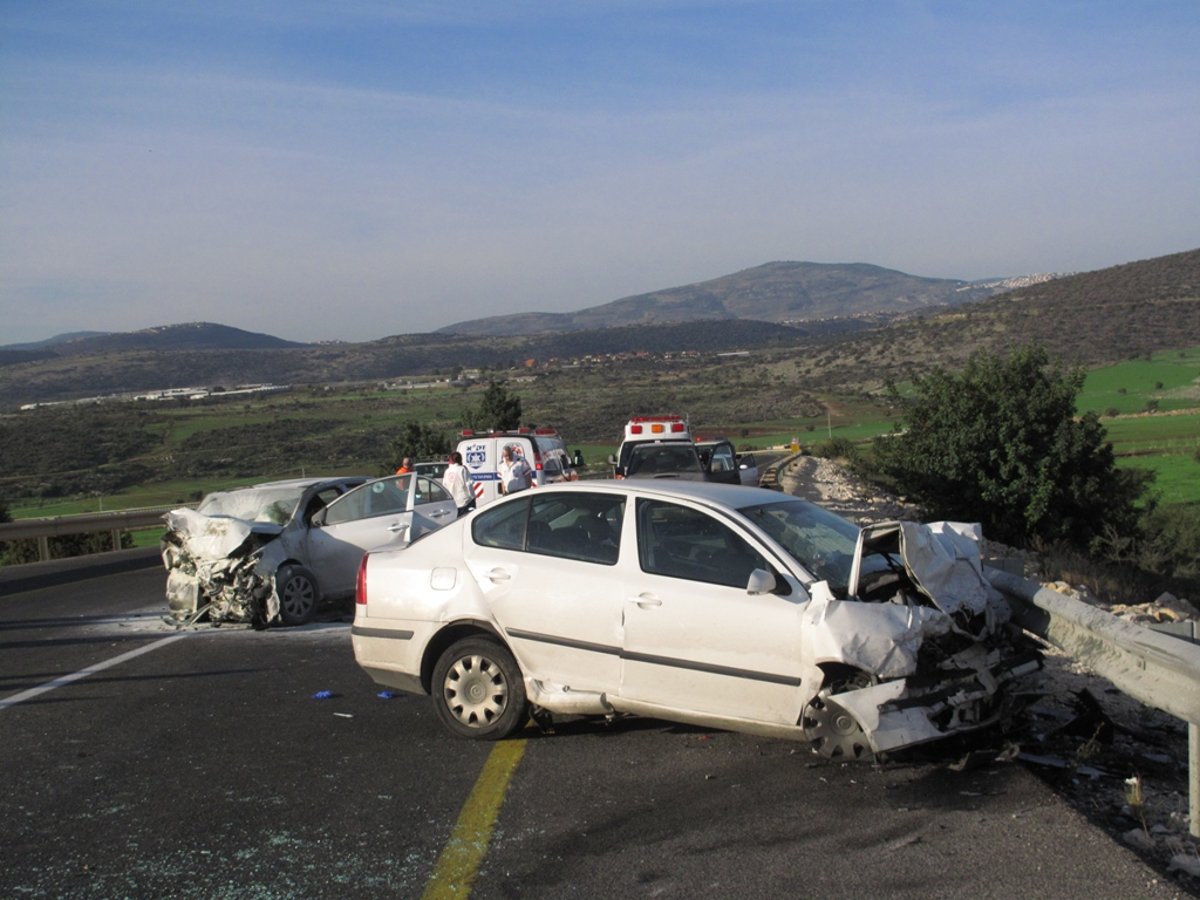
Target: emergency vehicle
(542,449)
(670,432)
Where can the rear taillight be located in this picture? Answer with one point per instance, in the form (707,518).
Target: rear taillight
(360,583)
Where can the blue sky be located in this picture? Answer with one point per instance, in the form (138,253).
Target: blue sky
(347,171)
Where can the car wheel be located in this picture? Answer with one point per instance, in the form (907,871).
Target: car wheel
(478,690)
(830,728)
(298,595)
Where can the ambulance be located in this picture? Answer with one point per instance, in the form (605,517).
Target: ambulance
(658,446)
(542,448)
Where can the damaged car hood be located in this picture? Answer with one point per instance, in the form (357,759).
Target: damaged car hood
(213,567)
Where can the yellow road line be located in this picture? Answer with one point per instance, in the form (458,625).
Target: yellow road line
(461,857)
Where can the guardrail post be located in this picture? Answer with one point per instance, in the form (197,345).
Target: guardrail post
(116,538)
(43,548)
(1194,779)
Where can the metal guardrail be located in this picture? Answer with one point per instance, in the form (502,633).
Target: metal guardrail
(1160,670)
(55,526)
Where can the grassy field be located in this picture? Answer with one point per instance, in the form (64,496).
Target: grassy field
(1170,379)
(1164,441)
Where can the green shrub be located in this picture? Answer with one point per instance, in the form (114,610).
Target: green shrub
(1000,445)
(837,448)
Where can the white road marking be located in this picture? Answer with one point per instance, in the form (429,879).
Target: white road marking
(84,673)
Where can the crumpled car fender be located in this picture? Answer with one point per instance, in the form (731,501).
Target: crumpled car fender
(879,638)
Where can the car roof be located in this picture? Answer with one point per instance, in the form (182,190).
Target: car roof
(730,495)
(306,482)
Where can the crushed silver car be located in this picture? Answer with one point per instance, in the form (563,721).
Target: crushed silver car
(272,552)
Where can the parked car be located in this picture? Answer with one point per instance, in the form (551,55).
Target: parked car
(665,459)
(272,552)
(718,605)
(434,469)
(643,434)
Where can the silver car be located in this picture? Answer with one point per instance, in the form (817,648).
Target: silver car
(272,552)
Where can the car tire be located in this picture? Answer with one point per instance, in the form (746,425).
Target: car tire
(478,691)
(831,729)
(298,595)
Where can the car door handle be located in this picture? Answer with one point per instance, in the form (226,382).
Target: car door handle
(498,576)
(397,527)
(441,513)
(645,601)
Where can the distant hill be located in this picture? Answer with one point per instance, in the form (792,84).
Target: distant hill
(189,336)
(1091,318)
(786,292)
(48,343)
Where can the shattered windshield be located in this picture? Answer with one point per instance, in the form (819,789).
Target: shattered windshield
(268,505)
(821,541)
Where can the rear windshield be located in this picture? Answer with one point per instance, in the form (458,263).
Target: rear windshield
(663,459)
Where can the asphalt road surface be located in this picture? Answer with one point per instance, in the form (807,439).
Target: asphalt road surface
(141,761)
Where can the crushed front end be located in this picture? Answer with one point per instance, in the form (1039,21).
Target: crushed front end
(923,649)
(214,569)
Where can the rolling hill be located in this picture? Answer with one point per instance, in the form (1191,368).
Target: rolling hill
(785,292)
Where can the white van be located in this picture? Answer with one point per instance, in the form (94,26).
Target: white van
(542,448)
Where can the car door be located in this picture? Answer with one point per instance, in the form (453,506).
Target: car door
(373,516)
(547,564)
(722,464)
(432,506)
(694,639)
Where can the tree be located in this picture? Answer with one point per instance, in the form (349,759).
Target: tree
(497,411)
(1000,445)
(415,441)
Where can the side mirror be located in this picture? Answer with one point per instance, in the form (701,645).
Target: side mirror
(318,518)
(612,459)
(761,582)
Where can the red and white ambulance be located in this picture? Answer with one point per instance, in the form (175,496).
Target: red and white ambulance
(657,446)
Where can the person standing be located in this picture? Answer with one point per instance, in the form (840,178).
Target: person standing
(405,466)
(457,481)
(515,474)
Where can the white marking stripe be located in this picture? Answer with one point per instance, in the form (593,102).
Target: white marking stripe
(84,673)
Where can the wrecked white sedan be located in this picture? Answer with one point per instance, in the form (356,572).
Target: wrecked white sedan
(272,552)
(717,605)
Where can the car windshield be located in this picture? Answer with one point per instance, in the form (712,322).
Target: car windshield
(273,505)
(821,541)
(663,459)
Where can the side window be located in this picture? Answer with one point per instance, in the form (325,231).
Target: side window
(722,459)
(429,491)
(318,502)
(586,527)
(551,467)
(680,542)
(376,498)
(502,526)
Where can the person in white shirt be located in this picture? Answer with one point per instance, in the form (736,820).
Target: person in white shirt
(515,474)
(457,481)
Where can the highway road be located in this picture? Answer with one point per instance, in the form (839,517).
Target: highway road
(142,761)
